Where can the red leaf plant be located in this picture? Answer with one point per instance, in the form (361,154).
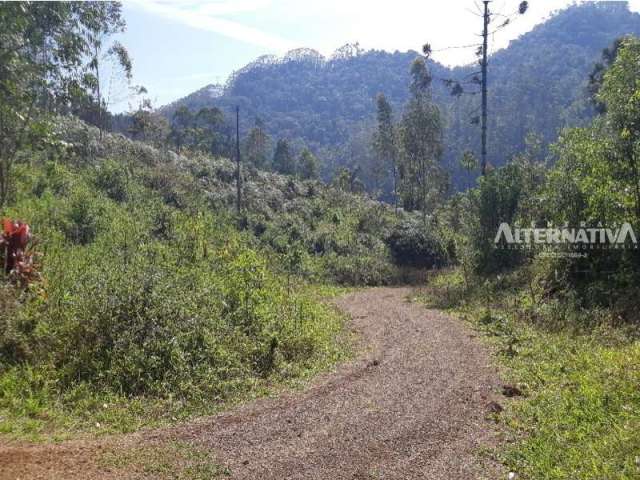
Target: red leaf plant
(19,260)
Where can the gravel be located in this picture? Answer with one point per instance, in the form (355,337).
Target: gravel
(413,405)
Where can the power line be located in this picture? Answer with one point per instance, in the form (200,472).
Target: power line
(456,47)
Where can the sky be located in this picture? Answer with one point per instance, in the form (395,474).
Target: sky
(178,47)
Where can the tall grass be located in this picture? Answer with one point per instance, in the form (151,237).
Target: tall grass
(578,368)
(150,301)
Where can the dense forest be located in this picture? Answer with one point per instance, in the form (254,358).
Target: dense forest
(151,274)
(328,104)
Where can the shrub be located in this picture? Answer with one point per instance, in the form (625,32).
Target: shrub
(82,218)
(411,243)
(142,298)
(112,178)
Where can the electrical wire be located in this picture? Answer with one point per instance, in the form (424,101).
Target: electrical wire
(456,47)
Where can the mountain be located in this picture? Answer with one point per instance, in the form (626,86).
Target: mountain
(536,85)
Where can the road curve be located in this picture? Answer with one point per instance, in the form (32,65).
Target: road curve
(413,405)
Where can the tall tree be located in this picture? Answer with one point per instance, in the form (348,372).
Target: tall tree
(347,180)
(18,73)
(209,122)
(256,146)
(105,20)
(422,176)
(43,49)
(283,160)
(149,126)
(182,123)
(385,143)
(620,95)
(308,165)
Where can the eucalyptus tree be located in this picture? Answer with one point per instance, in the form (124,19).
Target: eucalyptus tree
(257,146)
(385,142)
(308,165)
(44,49)
(421,174)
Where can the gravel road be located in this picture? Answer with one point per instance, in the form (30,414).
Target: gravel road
(412,405)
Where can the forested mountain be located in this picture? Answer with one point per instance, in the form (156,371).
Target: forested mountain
(536,85)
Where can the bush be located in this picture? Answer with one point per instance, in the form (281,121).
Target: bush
(81,221)
(362,268)
(145,293)
(112,179)
(411,243)
(497,200)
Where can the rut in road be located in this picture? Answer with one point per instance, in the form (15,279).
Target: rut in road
(413,405)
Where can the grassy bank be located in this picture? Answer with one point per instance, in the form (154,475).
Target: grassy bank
(578,370)
(152,305)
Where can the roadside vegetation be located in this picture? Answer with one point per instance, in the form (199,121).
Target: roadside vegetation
(564,323)
(149,301)
(135,293)
(174,460)
(575,413)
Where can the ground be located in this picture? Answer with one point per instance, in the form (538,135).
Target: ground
(415,403)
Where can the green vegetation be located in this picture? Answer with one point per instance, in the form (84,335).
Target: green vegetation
(149,300)
(578,370)
(154,301)
(144,297)
(170,461)
(538,85)
(564,322)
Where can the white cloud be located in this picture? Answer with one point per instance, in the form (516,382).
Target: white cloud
(327,24)
(204,16)
(226,7)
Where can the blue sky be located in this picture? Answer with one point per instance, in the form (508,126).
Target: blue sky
(180,46)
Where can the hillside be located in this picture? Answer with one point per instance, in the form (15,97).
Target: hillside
(152,286)
(329,103)
(144,266)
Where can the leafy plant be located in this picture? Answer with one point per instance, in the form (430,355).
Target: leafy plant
(19,258)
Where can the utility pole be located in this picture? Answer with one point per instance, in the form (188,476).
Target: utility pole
(238,173)
(485,34)
(455,85)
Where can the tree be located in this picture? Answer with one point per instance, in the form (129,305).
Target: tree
(596,77)
(55,38)
(347,180)
(205,131)
(620,94)
(468,162)
(256,146)
(17,100)
(422,176)
(148,125)
(595,179)
(308,165)
(43,47)
(104,21)
(181,127)
(385,144)
(208,122)
(283,160)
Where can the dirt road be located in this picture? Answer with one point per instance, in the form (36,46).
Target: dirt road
(413,405)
